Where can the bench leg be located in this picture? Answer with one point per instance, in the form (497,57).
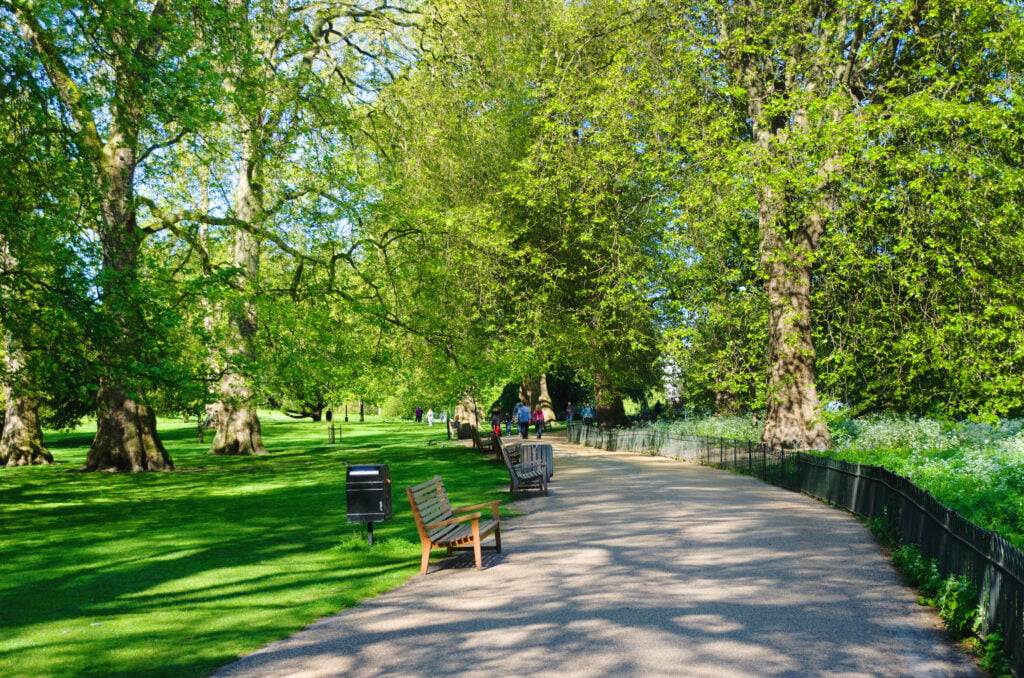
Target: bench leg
(497,539)
(476,545)
(425,560)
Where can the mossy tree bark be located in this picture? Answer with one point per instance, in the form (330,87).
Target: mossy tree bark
(22,441)
(533,391)
(237,423)
(608,405)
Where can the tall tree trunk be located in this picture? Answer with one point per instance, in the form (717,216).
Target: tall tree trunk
(608,405)
(238,425)
(533,391)
(21,437)
(21,443)
(793,418)
(788,240)
(527,392)
(468,415)
(126,436)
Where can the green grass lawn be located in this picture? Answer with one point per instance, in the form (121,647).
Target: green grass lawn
(175,574)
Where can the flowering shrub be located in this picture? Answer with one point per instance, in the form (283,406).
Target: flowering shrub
(721,426)
(976,468)
(972,467)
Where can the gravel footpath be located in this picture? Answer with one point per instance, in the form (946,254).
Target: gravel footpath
(641,566)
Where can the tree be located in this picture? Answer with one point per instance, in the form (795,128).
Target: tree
(42,190)
(819,88)
(120,71)
(917,284)
(437,256)
(292,80)
(589,193)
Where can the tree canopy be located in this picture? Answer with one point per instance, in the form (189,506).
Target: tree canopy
(250,202)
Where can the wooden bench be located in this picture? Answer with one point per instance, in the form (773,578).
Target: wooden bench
(483,442)
(500,449)
(441,526)
(523,475)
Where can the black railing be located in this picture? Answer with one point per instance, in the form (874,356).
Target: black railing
(989,562)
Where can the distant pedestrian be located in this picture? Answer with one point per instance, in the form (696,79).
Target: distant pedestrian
(588,414)
(496,420)
(523,419)
(430,417)
(419,415)
(508,424)
(538,421)
(570,411)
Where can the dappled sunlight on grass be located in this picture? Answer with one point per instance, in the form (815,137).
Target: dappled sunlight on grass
(177,573)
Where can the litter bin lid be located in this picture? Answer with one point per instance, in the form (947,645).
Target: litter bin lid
(375,471)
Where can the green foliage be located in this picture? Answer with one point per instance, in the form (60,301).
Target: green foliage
(513,187)
(953,596)
(919,571)
(111,574)
(884,529)
(992,658)
(913,145)
(957,603)
(973,467)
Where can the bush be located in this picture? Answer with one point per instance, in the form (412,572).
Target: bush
(957,603)
(884,529)
(920,572)
(976,468)
(954,597)
(992,659)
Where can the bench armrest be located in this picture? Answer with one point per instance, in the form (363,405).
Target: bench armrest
(452,521)
(476,507)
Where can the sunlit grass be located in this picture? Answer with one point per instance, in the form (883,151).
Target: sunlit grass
(175,574)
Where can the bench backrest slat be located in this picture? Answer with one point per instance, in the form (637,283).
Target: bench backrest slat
(430,504)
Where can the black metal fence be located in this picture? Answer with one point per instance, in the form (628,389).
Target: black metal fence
(990,563)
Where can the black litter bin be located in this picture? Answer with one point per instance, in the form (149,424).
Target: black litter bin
(368,495)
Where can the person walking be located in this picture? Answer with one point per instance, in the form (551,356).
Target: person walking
(508,424)
(538,421)
(430,417)
(570,411)
(523,419)
(588,414)
(419,415)
(496,420)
